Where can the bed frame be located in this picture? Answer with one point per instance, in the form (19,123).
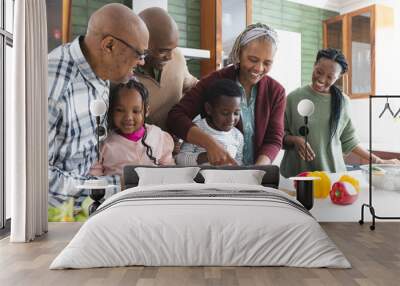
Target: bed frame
(270,179)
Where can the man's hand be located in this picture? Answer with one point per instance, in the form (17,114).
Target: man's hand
(97,170)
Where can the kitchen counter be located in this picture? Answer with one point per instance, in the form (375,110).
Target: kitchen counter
(386,203)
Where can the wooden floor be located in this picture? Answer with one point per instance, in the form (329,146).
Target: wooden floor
(374,255)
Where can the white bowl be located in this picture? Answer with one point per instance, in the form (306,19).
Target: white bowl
(384,177)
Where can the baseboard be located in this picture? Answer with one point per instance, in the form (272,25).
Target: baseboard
(5,231)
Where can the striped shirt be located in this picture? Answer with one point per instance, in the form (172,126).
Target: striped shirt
(72,141)
(232,141)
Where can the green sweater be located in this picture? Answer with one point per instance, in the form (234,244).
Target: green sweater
(328,154)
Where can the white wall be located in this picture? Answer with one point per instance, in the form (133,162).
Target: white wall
(287,66)
(287,62)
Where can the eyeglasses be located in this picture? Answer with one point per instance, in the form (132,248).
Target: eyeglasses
(140,56)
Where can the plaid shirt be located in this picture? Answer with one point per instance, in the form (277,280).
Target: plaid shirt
(72,141)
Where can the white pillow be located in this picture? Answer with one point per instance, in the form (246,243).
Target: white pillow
(163,176)
(248,177)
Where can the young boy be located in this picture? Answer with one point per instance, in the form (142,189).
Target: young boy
(219,118)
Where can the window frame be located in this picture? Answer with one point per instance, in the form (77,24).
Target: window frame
(6,39)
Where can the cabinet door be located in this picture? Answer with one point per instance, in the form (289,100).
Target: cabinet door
(221,22)
(362,53)
(334,35)
(233,23)
(354,34)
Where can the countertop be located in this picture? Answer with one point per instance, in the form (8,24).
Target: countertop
(386,203)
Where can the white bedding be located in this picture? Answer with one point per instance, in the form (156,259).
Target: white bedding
(235,229)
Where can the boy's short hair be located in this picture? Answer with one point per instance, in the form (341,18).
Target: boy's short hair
(220,87)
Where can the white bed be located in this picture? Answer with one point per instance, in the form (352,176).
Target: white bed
(203,225)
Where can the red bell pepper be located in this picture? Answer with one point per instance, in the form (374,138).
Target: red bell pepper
(343,193)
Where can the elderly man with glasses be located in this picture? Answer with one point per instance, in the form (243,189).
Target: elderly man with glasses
(79,73)
(165,73)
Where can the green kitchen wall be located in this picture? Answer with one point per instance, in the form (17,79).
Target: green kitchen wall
(187,15)
(280,14)
(293,17)
(82,9)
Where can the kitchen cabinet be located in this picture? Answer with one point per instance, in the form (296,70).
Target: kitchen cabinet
(355,33)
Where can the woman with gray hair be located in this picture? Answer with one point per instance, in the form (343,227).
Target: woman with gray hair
(262,105)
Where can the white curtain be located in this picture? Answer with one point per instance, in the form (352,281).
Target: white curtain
(26,123)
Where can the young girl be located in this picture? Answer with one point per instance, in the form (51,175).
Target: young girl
(331,132)
(131,141)
(220,116)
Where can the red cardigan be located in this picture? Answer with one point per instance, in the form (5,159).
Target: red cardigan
(269,111)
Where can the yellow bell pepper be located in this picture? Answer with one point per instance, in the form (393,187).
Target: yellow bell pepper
(322,186)
(351,180)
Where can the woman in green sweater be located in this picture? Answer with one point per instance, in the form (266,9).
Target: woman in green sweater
(331,132)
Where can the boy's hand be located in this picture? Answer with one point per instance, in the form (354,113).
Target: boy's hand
(217,155)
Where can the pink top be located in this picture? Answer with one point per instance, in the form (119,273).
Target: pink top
(118,151)
(135,136)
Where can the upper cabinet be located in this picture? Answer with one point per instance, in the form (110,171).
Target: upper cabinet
(220,23)
(233,23)
(355,33)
